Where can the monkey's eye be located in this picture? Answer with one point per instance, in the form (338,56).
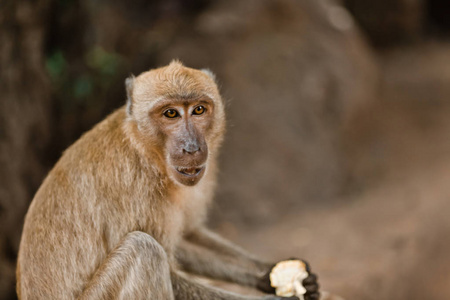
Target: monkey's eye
(171,113)
(199,110)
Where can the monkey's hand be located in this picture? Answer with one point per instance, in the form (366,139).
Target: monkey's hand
(309,283)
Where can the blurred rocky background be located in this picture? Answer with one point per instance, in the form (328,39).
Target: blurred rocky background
(338,143)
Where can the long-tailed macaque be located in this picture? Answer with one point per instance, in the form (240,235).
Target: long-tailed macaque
(121,215)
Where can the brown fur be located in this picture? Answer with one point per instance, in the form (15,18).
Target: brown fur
(114,220)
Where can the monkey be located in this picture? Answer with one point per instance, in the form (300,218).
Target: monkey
(122,214)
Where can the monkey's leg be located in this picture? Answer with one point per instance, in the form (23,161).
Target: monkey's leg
(137,268)
(186,288)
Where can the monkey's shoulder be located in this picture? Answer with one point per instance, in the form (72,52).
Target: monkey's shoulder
(103,150)
(101,159)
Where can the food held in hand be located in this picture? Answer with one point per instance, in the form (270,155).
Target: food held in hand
(287,276)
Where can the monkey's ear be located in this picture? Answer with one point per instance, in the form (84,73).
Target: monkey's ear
(209,73)
(129,82)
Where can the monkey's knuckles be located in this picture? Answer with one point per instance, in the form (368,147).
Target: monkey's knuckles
(310,283)
(312,287)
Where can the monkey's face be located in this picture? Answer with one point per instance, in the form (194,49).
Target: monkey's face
(184,126)
(180,116)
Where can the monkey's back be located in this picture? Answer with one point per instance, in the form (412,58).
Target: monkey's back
(91,198)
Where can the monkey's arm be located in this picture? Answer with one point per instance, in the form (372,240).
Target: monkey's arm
(199,260)
(205,253)
(187,288)
(217,244)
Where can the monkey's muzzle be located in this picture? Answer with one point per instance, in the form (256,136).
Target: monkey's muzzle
(191,172)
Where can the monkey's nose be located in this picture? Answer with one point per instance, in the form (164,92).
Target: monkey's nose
(191,149)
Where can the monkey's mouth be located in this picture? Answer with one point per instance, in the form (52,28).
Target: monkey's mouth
(191,172)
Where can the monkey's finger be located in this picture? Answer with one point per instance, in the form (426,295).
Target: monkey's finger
(311,288)
(312,278)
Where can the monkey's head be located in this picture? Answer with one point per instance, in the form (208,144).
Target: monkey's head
(179,114)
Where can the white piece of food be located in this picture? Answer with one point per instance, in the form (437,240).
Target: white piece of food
(287,276)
